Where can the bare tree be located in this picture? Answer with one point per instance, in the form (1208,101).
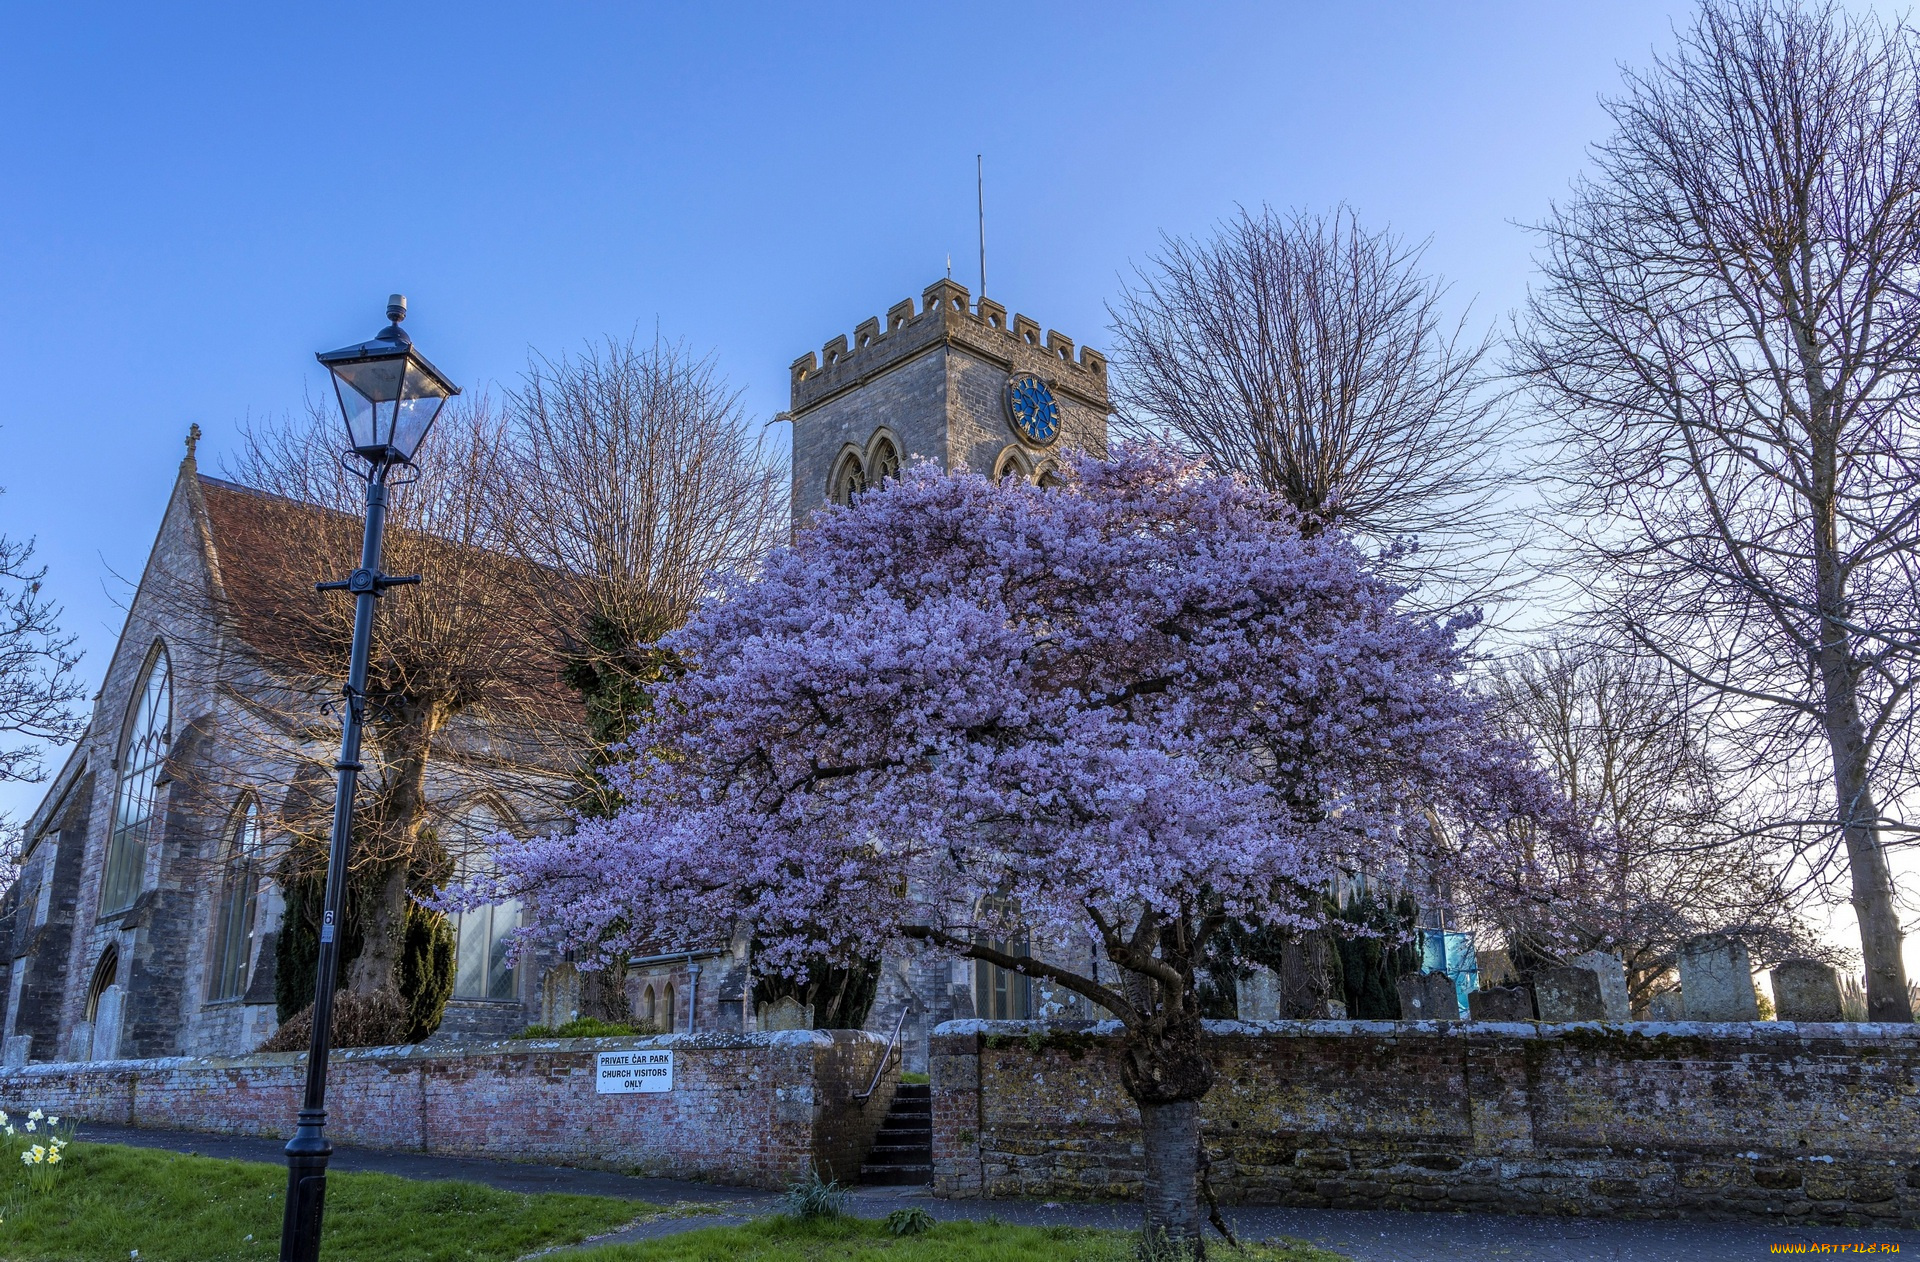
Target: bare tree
(636,482)
(1626,747)
(1726,336)
(464,669)
(1312,356)
(37,683)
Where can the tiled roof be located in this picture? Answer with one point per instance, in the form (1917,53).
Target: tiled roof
(473,619)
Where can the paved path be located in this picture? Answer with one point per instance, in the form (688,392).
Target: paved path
(511,1176)
(1365,1235)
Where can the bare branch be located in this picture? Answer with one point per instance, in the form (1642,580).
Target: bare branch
(1311,356)
(1728,340)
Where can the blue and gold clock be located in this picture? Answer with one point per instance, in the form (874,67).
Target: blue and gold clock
(1033,410)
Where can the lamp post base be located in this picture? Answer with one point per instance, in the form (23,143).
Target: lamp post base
(307,1155)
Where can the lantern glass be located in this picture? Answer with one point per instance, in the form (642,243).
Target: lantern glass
(362,388)
(422,394)
(389,395)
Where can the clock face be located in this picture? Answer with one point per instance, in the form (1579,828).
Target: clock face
(1032,409)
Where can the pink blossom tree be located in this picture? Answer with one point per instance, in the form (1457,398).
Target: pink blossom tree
(1141,707)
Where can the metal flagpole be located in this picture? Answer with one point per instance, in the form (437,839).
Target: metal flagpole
(980,193)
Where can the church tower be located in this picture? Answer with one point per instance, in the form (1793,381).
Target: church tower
(954,382)
(957,383)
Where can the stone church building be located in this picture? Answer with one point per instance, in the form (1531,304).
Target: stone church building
(144,918)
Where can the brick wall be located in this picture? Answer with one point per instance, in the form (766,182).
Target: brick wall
(753,1109)
(1810,1122)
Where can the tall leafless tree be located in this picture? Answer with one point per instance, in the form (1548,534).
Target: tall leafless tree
(636,481)
(1313,356)
(464,671)
(1726,336)
(1628,749)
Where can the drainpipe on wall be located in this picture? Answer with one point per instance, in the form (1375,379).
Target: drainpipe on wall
(693,974)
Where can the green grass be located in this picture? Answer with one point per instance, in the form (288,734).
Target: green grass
(110,1200)
(582,1028)
(912,1079)
(782,1239)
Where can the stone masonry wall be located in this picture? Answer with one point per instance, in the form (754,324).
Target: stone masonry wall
(1765,1119)
(936,378)
(754,1109)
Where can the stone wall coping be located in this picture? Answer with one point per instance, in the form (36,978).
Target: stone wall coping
(1759,1031)
(459,1051)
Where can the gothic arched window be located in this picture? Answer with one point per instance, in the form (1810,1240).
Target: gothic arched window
(885,464)
(1012,463)
(105,974)
(149,733)
(848,481)
(239,902)
(482,967)
(1000,994)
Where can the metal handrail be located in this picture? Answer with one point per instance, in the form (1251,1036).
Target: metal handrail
(893,1041)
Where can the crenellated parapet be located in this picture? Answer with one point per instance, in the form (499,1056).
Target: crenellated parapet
(947,315)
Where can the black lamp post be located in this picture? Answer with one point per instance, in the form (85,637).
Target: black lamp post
(389,397)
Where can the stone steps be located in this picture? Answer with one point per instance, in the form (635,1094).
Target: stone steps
(902,1152)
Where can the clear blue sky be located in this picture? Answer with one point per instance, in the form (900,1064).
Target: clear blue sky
(194,198)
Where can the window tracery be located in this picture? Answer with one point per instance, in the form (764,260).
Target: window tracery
(239,906)
(149,735)
(849,480)
(885,464)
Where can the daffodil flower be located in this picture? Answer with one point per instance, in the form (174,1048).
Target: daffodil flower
(53,1158)
(35,1116)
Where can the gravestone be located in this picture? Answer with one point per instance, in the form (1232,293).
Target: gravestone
(1805,990)
(1615,1002)
(786,1013)
(1569,994)
(1428,997)
(1717,977)
(560,995)
(1501,1003)
(1496,968)
(1668,1005)
(1258,995)
(106,1025)
(17,1049)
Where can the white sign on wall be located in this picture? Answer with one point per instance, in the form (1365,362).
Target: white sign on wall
(619,1073)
